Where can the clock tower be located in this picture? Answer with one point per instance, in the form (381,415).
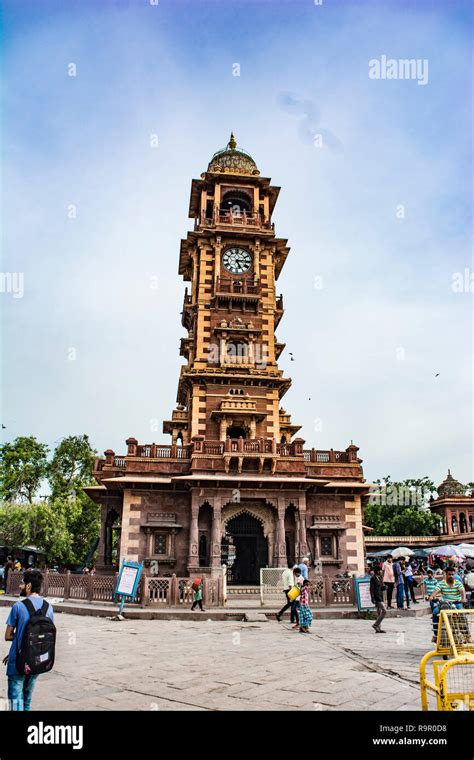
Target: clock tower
(231,386)
(234,486)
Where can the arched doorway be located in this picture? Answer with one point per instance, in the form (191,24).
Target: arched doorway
(462,523)
(251,551)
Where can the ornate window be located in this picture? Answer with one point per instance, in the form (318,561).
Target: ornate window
(326,546)
(161,543)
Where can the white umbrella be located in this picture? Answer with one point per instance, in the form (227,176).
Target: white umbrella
(448,551)
(467,550)
(402,551)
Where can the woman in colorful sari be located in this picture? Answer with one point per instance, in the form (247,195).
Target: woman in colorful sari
(306,616)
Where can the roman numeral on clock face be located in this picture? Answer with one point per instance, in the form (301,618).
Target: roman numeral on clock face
(237,260)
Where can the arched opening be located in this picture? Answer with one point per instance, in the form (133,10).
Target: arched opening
(245,533)
(235,431)
(471,524)
(235,201)
(462,523)
(205,527)
(454,524)
(283,440)
(179,439)
(112,538)
(203,560)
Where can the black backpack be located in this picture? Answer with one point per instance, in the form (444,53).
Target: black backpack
(35,653)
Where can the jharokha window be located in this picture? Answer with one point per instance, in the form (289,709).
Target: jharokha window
(326,546)
(160,543)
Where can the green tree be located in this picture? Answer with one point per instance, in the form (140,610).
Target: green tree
(400,508)
(66,525)
(23,465)
(71,466)
(35,524)
(15,524)
(82,517)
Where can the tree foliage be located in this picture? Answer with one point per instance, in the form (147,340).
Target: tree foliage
(66,523)
(23,466)
(71,466)
(399,508)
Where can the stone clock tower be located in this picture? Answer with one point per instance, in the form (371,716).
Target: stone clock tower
(231,385)
(235,484)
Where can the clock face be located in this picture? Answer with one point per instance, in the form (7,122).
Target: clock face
(237,260)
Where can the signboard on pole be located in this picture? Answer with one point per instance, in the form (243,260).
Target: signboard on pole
(362,588)
(128,580)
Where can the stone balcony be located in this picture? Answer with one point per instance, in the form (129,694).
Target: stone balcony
(231,219)
(208,455)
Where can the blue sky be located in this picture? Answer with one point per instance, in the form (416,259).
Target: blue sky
(93,345)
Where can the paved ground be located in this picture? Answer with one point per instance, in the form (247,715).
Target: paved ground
(173,665)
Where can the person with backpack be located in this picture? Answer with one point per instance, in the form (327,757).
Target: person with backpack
(31,629)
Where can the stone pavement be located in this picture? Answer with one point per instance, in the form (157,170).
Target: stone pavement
(229,665)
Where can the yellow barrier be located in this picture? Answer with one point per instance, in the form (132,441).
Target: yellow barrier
(453,676)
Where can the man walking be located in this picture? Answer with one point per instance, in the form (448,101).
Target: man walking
(376,594)
(303,566)
(20,687)
(399,583)
(288,582)
(389,579)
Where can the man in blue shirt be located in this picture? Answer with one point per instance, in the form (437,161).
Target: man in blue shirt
(303,566)
(20,688)
(399,582)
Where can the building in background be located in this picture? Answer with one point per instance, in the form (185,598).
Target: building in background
(235,483)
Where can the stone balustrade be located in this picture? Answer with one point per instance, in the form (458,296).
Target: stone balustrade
(199,445)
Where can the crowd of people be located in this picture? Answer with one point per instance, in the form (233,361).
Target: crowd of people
(447,587)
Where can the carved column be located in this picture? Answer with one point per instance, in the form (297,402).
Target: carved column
(280,546)
(193,554)
(303,544)
(216,534)
(223,429)
(297,537)
(253,428)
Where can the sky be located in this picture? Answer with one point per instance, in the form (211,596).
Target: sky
(111,107)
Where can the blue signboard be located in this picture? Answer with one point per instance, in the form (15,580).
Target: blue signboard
(362,588)
(128,580)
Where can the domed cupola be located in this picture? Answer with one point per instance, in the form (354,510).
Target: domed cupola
(229,160)
(450,487)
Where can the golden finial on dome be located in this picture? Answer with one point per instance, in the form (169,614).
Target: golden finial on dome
(232,142)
